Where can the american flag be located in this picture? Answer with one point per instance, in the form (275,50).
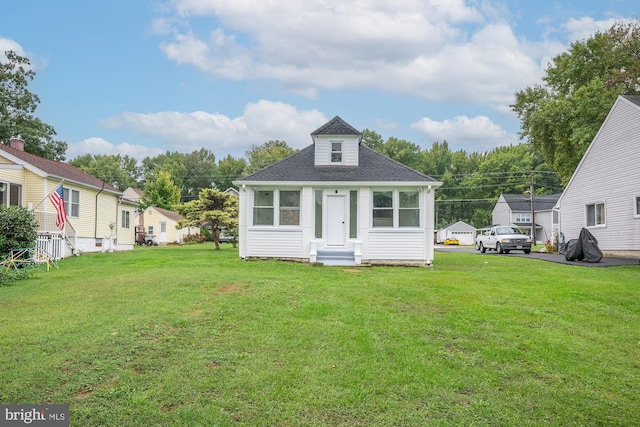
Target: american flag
(57,199)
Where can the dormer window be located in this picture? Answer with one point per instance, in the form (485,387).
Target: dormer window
(336,152)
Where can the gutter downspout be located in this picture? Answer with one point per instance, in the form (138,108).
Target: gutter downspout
(95,233)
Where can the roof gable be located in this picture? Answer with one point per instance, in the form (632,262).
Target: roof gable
(522,202)
(372,167)
(57,169)
(175,216)
(336,126)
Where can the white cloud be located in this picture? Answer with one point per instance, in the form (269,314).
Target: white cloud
(438,50)
(473,133)
(585,27)
(95,146)
(188,131)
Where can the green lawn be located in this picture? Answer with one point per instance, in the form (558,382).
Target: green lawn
(188,336)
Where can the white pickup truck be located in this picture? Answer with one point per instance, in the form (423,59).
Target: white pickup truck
(503,239)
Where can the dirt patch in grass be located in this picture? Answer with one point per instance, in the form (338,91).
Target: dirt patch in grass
(82,394)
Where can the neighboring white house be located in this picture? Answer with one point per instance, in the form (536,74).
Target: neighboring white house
(516,209)
(162,223)
(460,230)
(603,194)
(337,201)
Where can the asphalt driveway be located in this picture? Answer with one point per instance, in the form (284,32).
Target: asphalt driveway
(557,258)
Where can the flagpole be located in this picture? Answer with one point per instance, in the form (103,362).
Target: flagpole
(47,196)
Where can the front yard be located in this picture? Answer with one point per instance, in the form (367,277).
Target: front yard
(186,336)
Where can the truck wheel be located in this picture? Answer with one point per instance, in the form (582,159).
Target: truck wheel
(482,248)
(527,251)
(499,248)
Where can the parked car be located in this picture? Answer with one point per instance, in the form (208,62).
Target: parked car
(451,242)
(503,239)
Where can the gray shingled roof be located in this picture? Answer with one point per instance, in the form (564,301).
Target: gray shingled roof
(59,169)
(633,98)
(522,202)
(373,166)
(336,126)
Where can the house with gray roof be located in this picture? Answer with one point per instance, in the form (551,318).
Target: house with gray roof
(520,210)
(338,202)
(603,194)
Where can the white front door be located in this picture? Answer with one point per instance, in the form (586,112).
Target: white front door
(336,220)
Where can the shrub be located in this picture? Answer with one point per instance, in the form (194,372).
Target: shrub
(194,238)
(18,229)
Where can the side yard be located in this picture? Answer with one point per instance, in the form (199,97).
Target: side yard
(187,335)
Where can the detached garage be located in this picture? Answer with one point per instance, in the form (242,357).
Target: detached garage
(460,230)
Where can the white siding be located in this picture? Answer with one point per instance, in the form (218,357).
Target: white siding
(608,173)
(396,245)
(280,243)
(323,150)
(501,213)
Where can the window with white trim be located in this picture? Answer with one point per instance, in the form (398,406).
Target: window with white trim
(72,202)
(285,202)
(336,152)
(636,204)
(289,207)
(522,217)
(396,208)
(595,214)
(10,194)
(263,207)
(126,216)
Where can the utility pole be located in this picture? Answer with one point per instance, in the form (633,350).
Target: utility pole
(533,211)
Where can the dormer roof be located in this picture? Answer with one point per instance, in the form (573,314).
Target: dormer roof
(336,126)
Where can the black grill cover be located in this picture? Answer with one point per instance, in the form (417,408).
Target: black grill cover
(590,250)
(584,248)
(573,250)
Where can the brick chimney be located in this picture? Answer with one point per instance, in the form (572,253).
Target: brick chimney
(17,143)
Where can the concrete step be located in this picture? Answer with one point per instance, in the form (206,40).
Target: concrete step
(336,257)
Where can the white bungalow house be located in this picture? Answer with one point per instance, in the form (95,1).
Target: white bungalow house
(460,230)
(338,202)
(603,194)
(98,218)
(517,209)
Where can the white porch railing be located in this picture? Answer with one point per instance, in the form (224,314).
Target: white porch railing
(50,236)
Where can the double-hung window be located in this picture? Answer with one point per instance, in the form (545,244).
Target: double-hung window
(286,203)
(126,217)
(396,208)
(595,214)
(289,207)
(72,202)
(523,217)
(336,152)
(10,194)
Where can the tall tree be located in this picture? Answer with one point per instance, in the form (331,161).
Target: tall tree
(214,209)
(372,140)
(267,154)
(119,171)
(227,170)
(198,174)
(17,108)
(561,116)
(160,191)
(403,151)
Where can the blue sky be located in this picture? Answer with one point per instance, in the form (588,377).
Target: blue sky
(148,76)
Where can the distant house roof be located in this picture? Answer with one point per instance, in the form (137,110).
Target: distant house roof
(58,169)
(373,167)
(175,216)
(336,126)
(522,202)
(632,98)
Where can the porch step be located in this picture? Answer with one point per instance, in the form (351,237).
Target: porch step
(336,257)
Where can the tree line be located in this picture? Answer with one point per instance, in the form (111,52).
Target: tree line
(559,118)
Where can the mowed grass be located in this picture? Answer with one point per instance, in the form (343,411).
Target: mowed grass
(190,336)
